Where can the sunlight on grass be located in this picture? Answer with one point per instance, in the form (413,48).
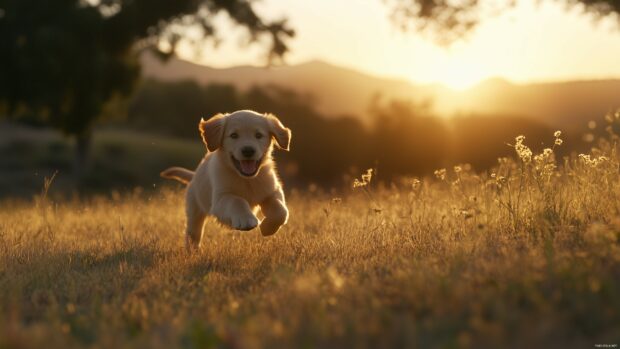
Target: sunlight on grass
(525,255)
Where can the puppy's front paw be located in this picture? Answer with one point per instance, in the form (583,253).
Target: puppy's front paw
(247,222)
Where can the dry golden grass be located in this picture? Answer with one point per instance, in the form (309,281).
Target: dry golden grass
(526,255)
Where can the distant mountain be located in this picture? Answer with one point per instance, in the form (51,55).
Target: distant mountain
(572,103)
(339,90)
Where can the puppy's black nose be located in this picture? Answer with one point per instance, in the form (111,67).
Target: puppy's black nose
(248,152)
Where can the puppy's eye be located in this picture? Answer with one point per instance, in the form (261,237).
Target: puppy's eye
(259,135)
(234,135)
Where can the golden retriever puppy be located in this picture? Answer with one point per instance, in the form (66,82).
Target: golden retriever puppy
(237,176)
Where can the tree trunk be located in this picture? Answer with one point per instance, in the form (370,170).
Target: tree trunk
(83,143)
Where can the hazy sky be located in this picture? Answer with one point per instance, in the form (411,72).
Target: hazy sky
(530,43)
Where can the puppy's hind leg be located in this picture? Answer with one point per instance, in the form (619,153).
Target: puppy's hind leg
(194,225)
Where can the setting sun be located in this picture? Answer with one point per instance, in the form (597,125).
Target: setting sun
(457,76)
(510,46)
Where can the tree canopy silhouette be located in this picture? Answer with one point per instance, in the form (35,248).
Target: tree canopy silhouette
(449,20)
(62,61)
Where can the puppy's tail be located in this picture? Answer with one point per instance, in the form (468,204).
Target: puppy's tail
(180,174)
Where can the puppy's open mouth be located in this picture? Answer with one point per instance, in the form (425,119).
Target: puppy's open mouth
(246,168)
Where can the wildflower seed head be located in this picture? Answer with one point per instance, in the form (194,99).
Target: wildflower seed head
(523,151)
(366,178)
(416,184)
(440,174)
(357,183)
(592,162)
(503,160)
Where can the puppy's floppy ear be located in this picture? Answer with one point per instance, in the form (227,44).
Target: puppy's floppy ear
(279,132)
(212,131)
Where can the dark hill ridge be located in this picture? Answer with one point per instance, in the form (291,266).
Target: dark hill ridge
(337,90)
(341,90)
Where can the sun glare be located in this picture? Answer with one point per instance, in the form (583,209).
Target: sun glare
(458,77)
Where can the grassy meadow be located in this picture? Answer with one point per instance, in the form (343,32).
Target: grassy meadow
(524,255)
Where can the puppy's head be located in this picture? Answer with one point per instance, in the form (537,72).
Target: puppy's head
(246,138)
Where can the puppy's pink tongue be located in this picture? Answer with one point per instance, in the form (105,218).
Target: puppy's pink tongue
(248,167)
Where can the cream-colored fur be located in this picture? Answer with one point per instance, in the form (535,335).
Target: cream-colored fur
(221,186)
